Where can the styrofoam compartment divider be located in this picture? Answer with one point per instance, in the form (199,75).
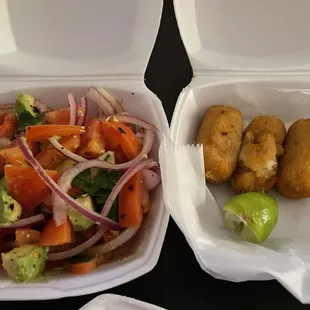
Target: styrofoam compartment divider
(52,48)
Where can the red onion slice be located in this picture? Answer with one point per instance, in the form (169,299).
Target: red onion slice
(64,183)
(98,98)
(140,136)
(4,141)
(152,179)
(78,249)
(41,106)
(84,109)
(123,118)
(152,165)
(65,151)
(25,222)
(115,104)
(126,235)
(73,109)
(121,182)
(91,215)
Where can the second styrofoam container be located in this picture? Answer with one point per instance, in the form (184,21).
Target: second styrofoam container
(50,48)
(118,302)
(253,55)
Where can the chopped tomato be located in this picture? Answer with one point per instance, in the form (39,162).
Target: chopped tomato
(43,132)
(12,155)
(2,116)
(74,192)
(49,158)
(60,117)
(26,236)
(119,155)
(92,141)
(9,125)
(48,201)
(35,147)
(118,134)
(53,235)
(26,187)
(83,267)
(130,204)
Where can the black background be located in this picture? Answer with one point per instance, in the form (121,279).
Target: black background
(177,282)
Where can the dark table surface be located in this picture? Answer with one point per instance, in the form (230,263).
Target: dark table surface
(177,282)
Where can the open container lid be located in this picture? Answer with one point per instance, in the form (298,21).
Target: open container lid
(245,35)
(77,38)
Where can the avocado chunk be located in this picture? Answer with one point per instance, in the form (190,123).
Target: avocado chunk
(10,209)
(26,112)
(64,165)
(25,263)
(79,221)
(108,157)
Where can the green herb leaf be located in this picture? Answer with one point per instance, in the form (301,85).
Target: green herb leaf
(99,187)
(100,197)
(25,119)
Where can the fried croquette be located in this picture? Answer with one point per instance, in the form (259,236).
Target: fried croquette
(258,159)
(220,134)
(268,124)
(294,166)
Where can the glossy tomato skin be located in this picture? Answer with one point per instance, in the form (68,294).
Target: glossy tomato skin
(117,134)
(92,141)
(59,117)
(8,125)
(26,187)
(49,158)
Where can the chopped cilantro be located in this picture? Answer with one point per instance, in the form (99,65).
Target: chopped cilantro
(99,187)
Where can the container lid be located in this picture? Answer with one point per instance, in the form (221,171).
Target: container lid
(77,37)
(118,302)
(245,35)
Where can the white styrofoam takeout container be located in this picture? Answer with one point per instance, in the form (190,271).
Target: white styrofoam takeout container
(236,49)
(118,302)
(50,48)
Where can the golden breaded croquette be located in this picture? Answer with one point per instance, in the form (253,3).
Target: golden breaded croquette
(261,146)
(268,124)
(294,166)
(245,181)
(220,134)
(258,153)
